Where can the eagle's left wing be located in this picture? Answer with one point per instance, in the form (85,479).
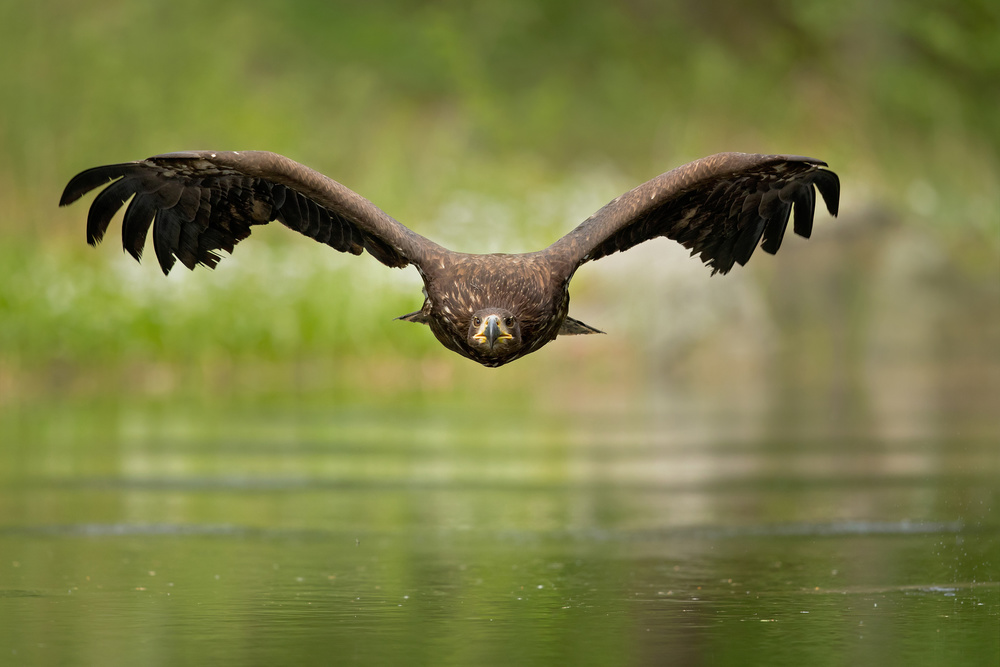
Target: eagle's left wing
(719,207)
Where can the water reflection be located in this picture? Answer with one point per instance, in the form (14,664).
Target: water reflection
(371,539)
(480,596)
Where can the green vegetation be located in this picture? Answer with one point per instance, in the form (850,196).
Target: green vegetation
(796,461)
(490,126)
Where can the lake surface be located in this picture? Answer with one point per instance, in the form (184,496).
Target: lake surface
(141,532)
(802,468)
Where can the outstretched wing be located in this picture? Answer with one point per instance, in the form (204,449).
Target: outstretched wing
(720,207)
(202,202)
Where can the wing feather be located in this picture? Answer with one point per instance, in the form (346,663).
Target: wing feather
(135,225)
(777,221)
(105,205)
(166,236)
(199,203)
(829,187)
(720,207)
(805,209)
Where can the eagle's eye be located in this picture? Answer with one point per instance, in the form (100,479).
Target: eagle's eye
(476,321)
(508,321)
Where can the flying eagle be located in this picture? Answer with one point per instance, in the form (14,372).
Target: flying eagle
(493,308)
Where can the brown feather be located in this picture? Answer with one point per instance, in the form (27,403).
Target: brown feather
(719,207)
(200,203)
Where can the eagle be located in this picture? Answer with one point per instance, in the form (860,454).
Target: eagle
(491,308)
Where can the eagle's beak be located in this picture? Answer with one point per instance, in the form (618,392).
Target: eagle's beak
(492,331)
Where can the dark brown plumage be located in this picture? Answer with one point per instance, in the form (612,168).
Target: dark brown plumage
(490,308)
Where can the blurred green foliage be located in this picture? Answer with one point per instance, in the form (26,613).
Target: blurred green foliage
(474,123)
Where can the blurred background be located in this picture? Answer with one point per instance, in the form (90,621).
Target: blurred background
(499,128)
(868,352)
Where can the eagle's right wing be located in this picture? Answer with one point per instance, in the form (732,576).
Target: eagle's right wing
(201,202)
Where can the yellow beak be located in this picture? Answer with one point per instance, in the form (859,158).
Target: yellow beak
(492,331)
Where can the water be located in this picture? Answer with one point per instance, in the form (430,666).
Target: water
(800,469)
(150,533)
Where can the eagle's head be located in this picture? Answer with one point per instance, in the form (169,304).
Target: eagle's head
(494,334)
